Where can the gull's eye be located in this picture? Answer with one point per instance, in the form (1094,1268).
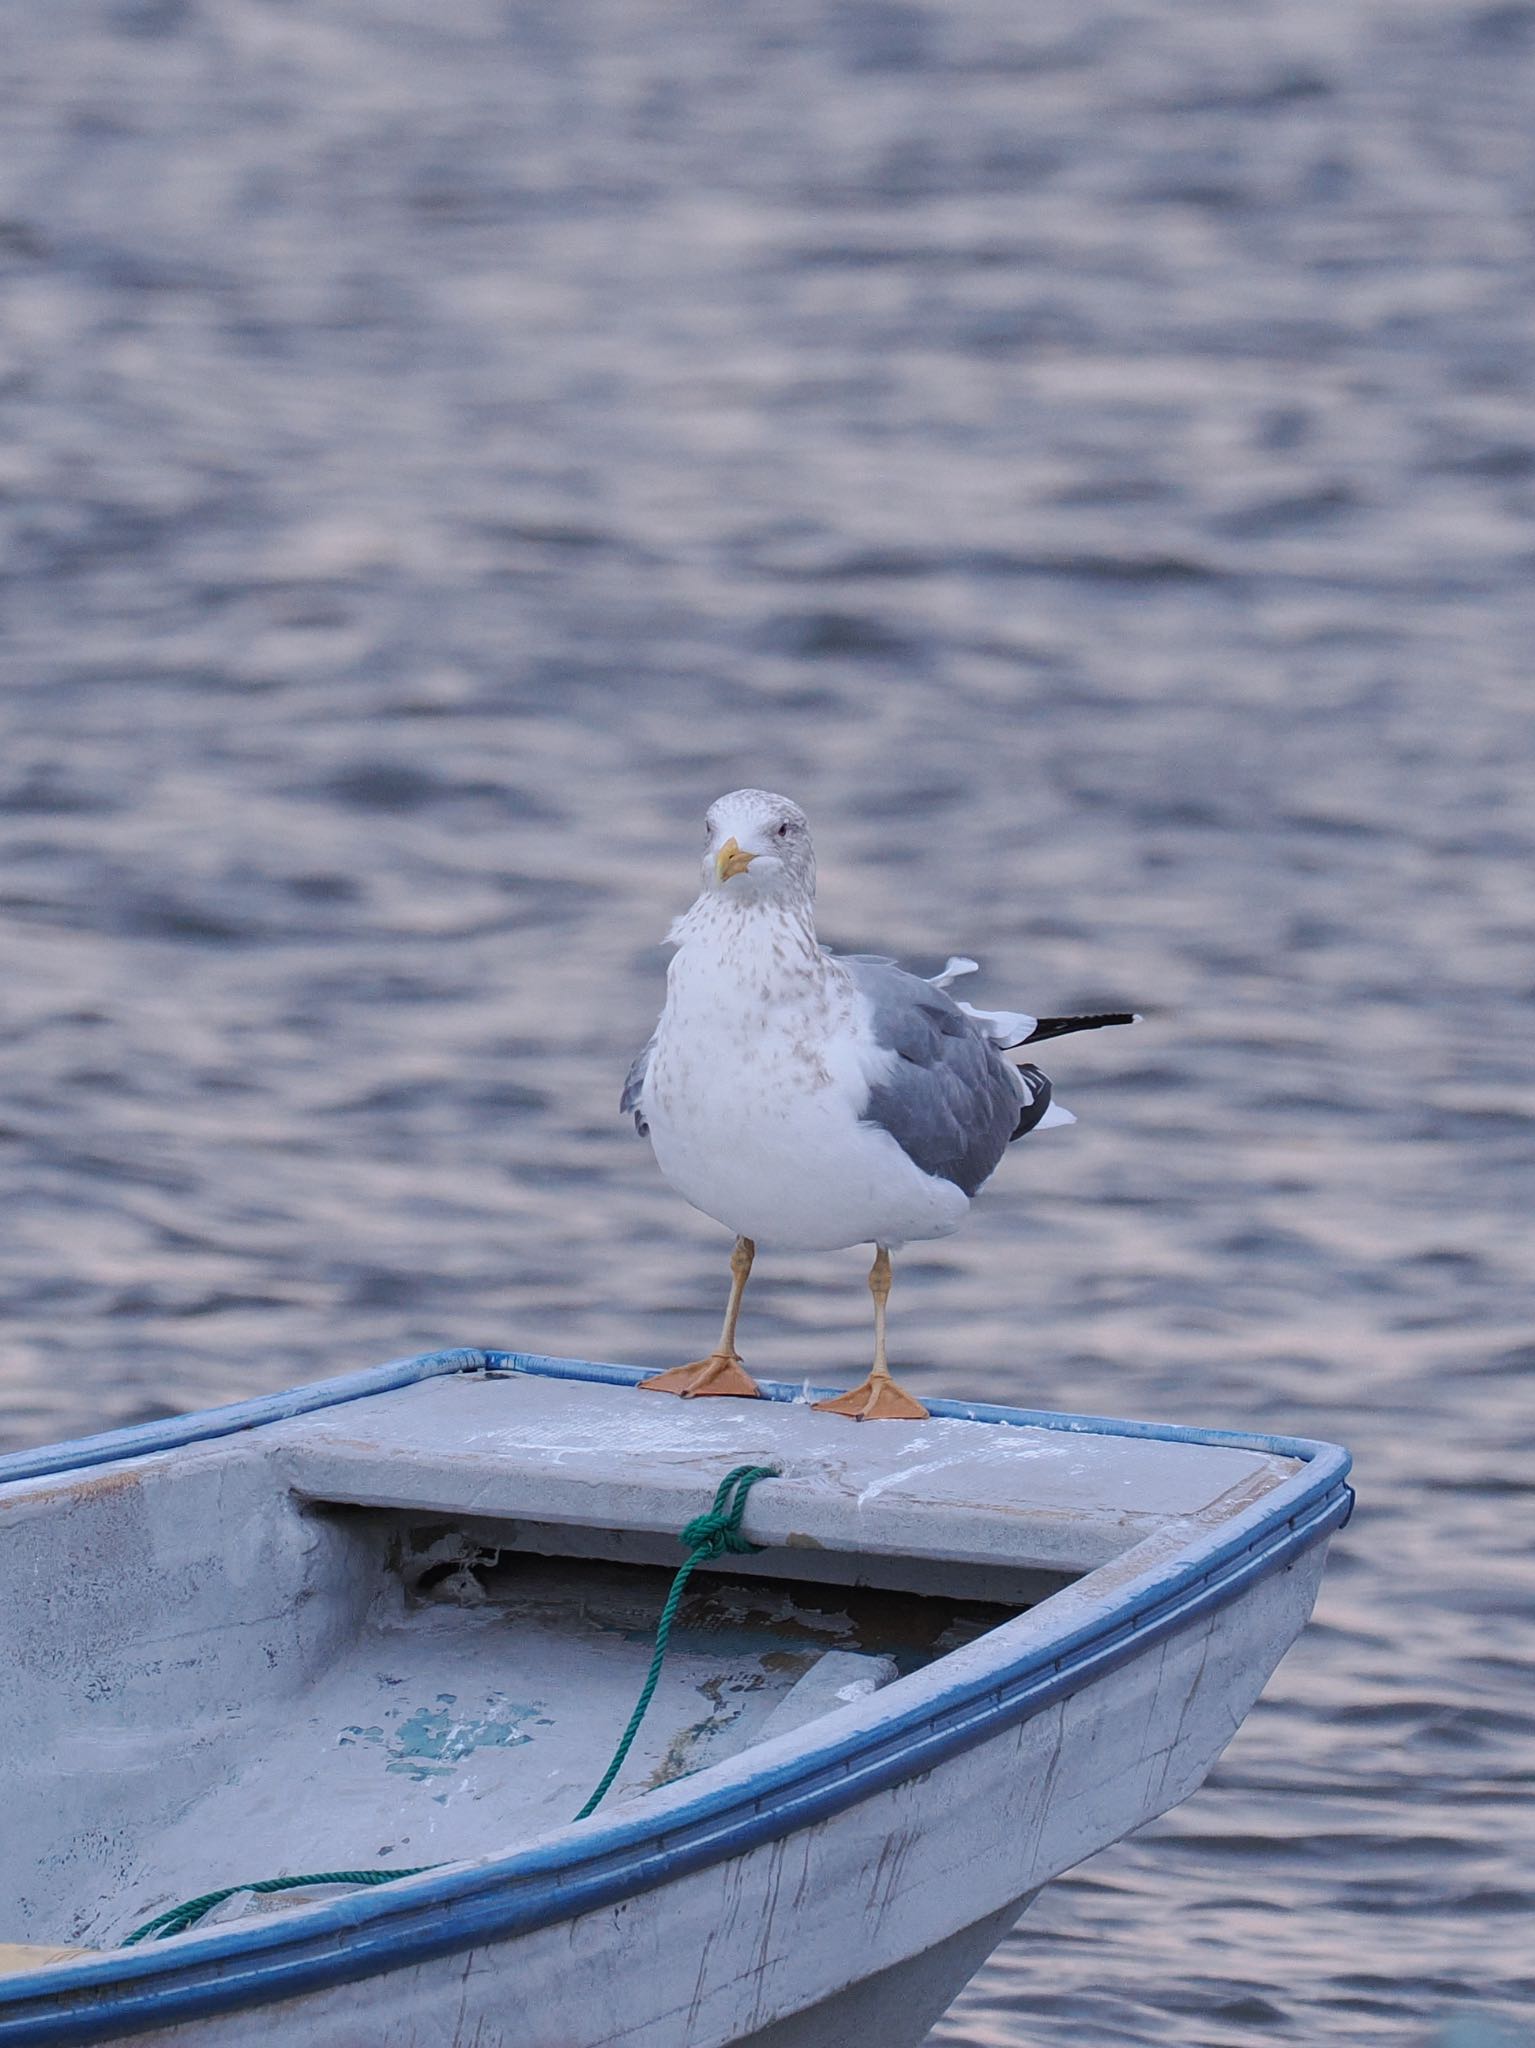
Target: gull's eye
(783,831)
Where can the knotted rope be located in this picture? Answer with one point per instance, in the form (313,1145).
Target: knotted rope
(706,1536)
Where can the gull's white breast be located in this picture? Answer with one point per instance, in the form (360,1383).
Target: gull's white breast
(756,1084)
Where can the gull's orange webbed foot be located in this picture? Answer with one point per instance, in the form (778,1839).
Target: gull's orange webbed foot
(879,1399)
(721,1373)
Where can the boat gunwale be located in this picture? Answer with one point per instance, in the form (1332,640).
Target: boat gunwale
(590,1864)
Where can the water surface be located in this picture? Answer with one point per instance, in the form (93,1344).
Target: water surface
(1086,457)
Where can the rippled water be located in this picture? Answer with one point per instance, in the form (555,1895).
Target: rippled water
(1086,456)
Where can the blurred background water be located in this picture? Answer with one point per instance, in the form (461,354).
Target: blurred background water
(1086,456)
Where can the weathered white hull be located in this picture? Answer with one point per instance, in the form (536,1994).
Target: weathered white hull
(774,1900)
(785,1946)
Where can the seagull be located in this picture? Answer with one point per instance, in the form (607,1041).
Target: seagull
(810,1101)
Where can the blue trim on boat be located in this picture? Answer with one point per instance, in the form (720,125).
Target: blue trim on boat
(600,1862)
(174,1432)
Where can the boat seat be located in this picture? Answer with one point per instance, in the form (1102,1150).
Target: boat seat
(559,1453)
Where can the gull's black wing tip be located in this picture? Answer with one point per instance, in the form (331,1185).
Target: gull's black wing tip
(1059,1027)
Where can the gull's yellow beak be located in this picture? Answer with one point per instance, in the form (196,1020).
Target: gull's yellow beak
(730,860)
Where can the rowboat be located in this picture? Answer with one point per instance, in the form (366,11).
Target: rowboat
(397,1621)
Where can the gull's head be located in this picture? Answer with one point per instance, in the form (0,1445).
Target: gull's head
(757,847)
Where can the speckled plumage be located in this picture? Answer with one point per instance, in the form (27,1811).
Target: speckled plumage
(808,1102)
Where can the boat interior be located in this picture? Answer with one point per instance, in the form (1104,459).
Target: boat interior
(409,1629)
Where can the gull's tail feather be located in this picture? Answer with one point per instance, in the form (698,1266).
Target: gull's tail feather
(1057,1027)
(1005,1028)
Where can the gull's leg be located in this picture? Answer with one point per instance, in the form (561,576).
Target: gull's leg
(879,1398)
(721,1372)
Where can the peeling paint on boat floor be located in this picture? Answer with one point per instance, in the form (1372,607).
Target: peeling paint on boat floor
(430,1741)
(481,1700)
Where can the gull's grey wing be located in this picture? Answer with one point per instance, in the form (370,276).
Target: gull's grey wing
(634,1087)
(951,1102)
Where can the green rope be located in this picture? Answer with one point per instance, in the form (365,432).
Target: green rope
(179,1918)
(707,1536)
